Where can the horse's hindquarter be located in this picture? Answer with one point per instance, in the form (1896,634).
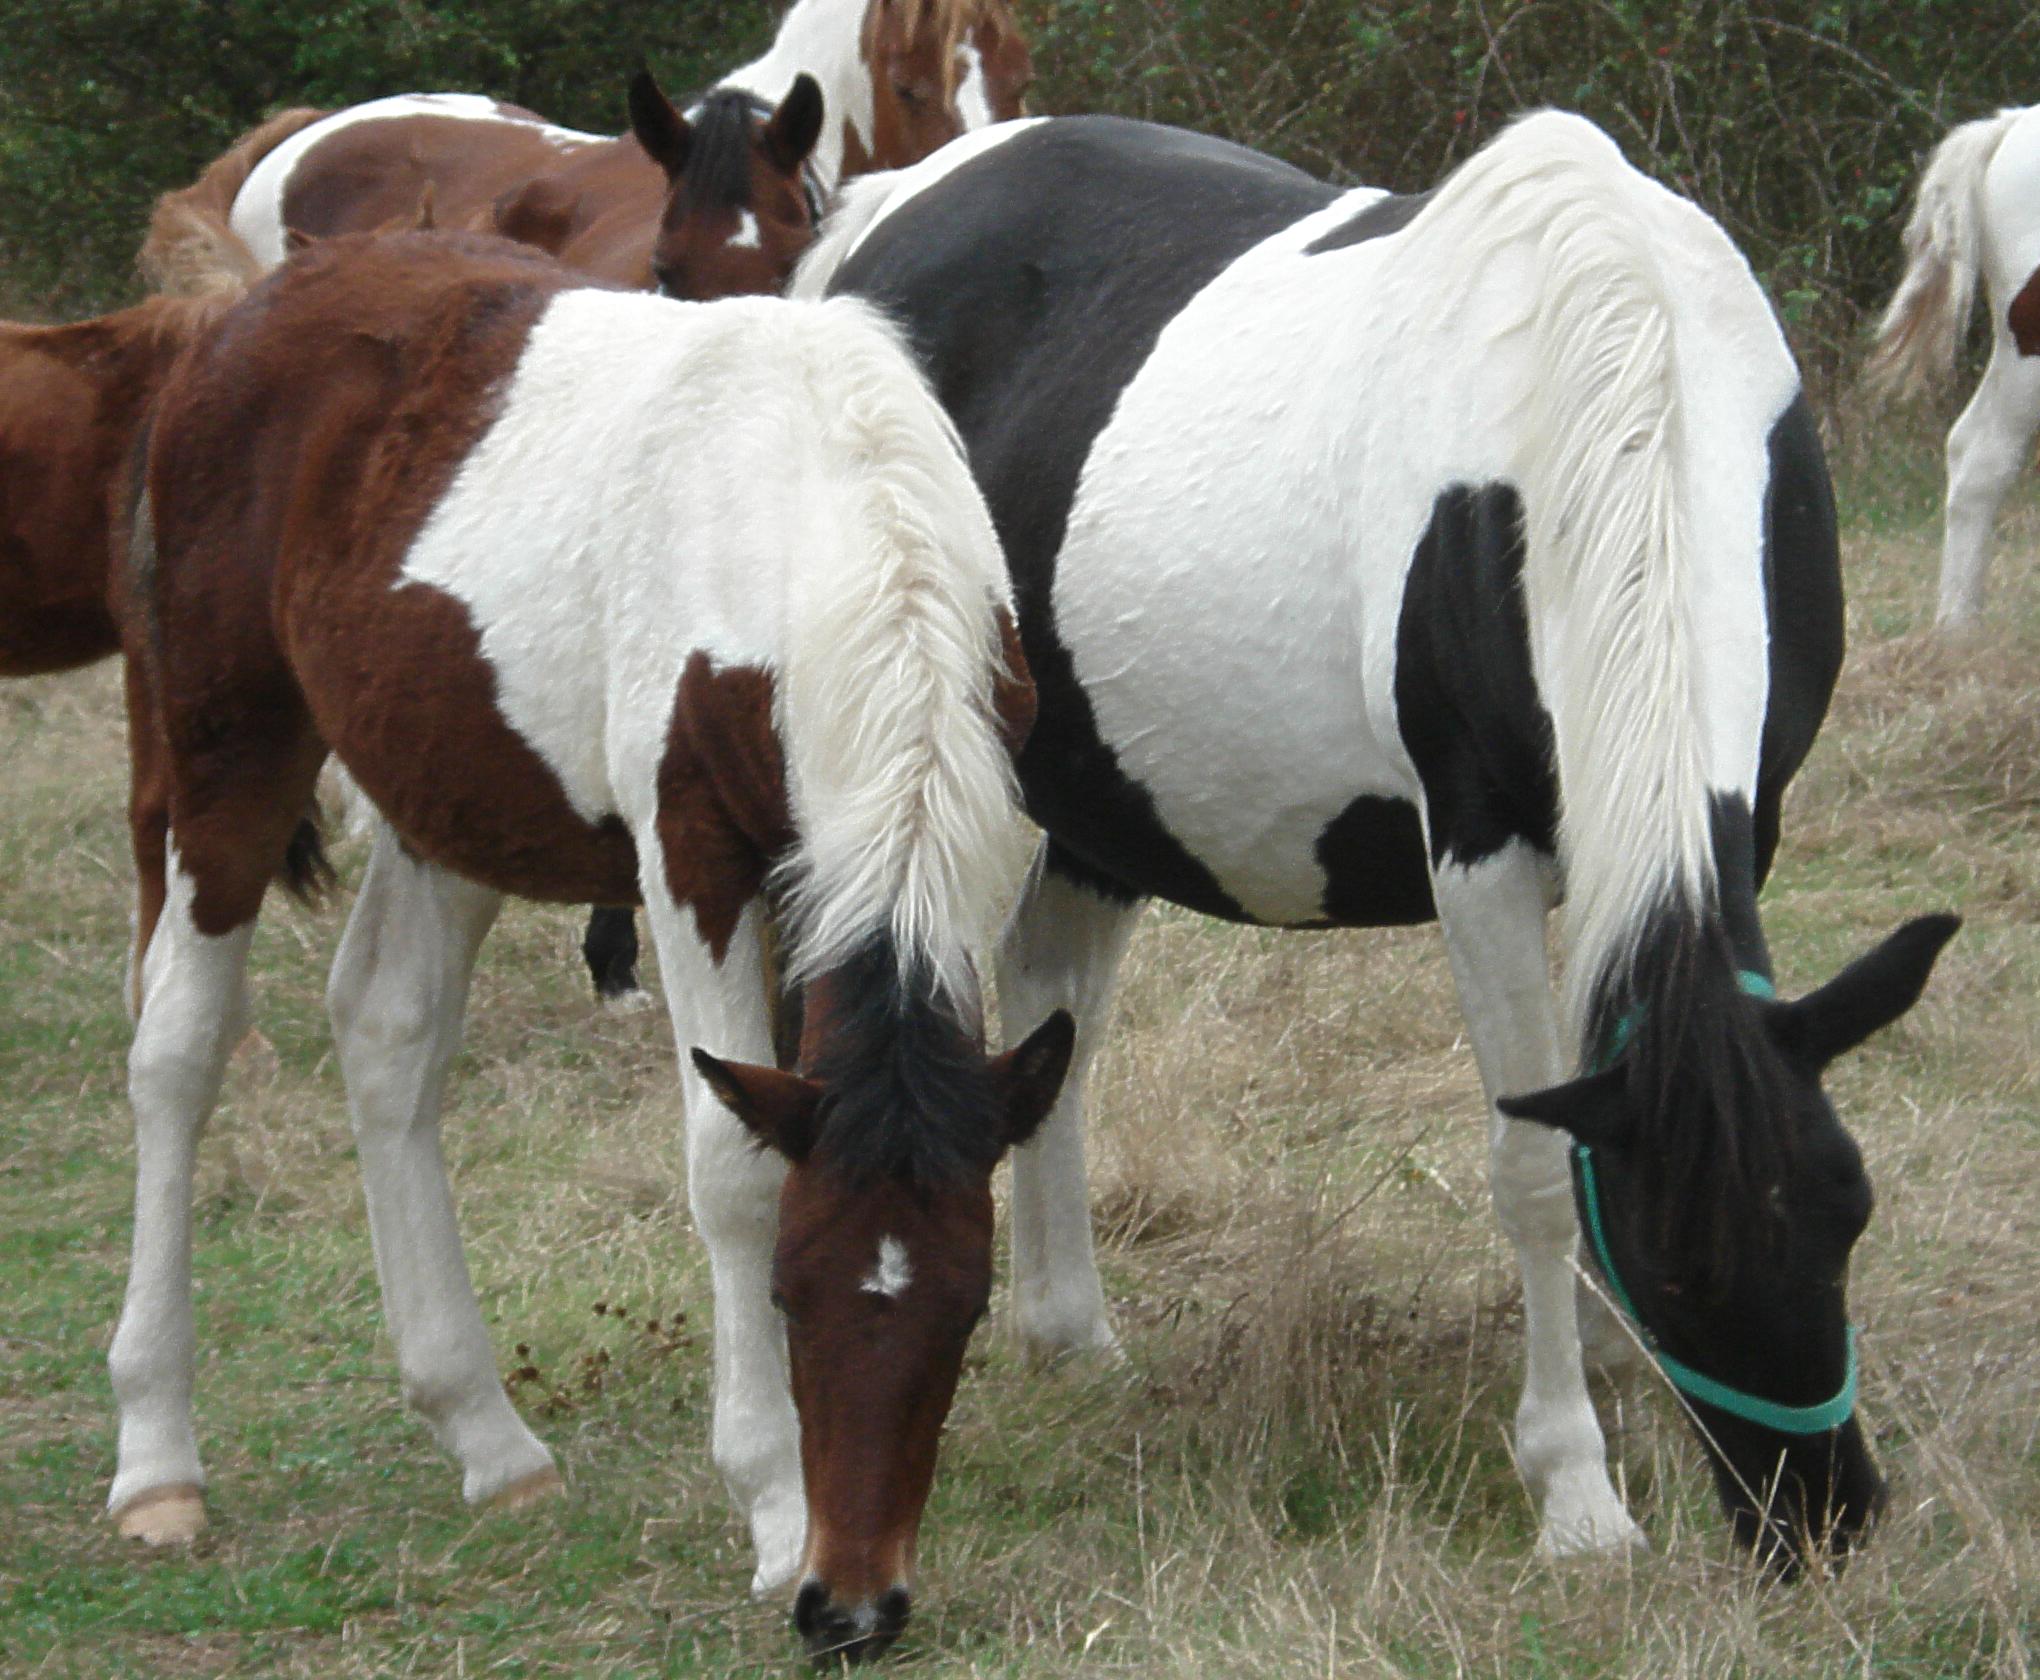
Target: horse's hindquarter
(368,167)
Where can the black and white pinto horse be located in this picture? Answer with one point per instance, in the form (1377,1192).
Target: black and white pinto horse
(1455,555)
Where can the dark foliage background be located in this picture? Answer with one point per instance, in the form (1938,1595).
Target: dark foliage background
(1799,123)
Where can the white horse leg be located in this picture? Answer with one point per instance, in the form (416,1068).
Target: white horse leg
(1061,950)
(1493,916)
(397,996)
(1987,449)
(193,1012)
(733,1188)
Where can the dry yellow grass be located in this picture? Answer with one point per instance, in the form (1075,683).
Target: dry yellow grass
(1301,1469)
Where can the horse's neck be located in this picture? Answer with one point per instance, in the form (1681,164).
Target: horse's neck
(823,38)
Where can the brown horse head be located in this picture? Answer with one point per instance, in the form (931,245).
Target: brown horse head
(741,203)
(939,67)
(890,1131)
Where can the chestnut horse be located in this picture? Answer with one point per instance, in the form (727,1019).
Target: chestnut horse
(599,597)
(1976,216)
(847,86)
(1457,556)
(73,400)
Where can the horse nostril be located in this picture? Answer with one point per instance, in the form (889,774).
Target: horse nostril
(893,1610)
(810,1610)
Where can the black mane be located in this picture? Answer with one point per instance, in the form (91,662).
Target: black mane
(906,1088)
(718,175)
(1714,1103)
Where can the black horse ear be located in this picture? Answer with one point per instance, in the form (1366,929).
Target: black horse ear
(1871,993)
(661,130)
(795,126)
(1591,1108)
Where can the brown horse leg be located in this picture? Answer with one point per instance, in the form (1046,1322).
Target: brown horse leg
(227,835)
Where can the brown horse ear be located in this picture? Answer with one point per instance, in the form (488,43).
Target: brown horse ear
(661,130)
(1871,993)
(795,126)
(1592,1109)
(776,1108)
(1029,1076)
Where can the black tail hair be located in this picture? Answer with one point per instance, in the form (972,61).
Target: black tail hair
(306,873)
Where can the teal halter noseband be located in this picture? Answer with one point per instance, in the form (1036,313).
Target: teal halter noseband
(1751,1408)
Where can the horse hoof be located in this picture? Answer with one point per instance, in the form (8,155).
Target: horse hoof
(164,1516)
(533,1489)
(633,1002)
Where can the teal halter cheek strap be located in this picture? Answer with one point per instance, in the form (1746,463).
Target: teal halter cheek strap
(1751,1408)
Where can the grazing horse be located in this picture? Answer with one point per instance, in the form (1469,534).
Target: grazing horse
(846,86)
(1455,555)
(1976,213)
(599,597)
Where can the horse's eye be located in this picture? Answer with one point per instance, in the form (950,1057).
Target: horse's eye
(909,94)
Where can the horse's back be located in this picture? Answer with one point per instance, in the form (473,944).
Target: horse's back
(369,167)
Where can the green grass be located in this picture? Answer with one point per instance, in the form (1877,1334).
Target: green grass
(1302,1467)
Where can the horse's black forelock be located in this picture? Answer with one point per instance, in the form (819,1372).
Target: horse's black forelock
(1716,1109)
(907,1091)
(718,174)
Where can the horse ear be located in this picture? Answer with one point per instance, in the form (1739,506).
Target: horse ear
(1029,1076)
(795,126)
(1593,1108)
(661,130)
(1871,993)
(776,1108)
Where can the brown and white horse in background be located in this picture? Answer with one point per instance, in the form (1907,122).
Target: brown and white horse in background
(599,597)
(1976,216)
(886,83)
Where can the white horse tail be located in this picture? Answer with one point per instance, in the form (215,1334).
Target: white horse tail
(1916,339)
(902,786)
(1611,565)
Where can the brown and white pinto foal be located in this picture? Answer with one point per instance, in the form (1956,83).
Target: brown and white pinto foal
(846,86)
(599,597)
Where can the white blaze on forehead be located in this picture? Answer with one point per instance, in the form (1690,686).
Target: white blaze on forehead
(973,98)
(746,236)
(892,1274)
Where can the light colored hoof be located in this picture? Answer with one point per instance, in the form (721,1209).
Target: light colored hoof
(780,1536)
(163,1516)
(533,1489)
(1605,1532)
(633,1002)
(1047,1336)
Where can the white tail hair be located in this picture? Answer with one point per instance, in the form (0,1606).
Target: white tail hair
(1916,339)
(903,791)
(1610,566)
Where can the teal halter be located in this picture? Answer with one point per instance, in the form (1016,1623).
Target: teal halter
(1751,1408)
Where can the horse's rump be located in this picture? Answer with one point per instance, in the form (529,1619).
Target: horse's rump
(189,227)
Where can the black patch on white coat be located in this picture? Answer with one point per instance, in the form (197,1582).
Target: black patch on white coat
(1466,701)
(1385,215)
(1033,283)
(1372,854)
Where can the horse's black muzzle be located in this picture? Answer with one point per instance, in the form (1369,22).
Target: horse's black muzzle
(856,1633)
